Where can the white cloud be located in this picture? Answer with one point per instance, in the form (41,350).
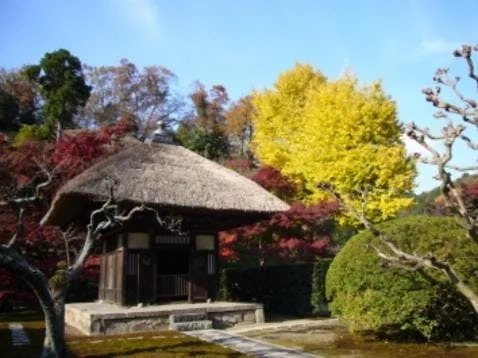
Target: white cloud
(143,16)
(436,46)
(413,147)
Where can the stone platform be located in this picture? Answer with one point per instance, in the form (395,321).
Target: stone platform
(94,318)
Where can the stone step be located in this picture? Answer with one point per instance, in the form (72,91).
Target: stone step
(190,325)
(188,317)
(19,336)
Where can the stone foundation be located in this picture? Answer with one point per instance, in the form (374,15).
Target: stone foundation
(107,319)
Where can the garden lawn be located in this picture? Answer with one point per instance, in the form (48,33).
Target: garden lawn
(155,344)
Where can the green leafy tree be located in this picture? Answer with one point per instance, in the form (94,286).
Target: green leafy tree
(211,144)
(204,130)
(62,87)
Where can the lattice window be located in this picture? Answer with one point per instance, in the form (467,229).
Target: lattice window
(172,240)
(132,264)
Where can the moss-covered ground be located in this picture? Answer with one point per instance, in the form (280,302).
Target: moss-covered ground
(141,345)
(335,342)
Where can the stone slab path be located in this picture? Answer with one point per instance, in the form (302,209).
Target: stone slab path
(309,323)
(19,337)
(248,345)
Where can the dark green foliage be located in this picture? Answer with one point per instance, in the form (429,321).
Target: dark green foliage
(318,299)
(18,100)
(370,296)
(83,289)
(204,130)
(211,144)
(424,200)
(8,111)
(343,233)
(289,289)
(62,86)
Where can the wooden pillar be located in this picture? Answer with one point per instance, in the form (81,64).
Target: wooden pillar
(192,248)
(102,283)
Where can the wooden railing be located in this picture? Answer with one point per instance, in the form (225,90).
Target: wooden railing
(174,285)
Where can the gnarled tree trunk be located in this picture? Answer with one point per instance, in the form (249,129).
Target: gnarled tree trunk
(54,342)
(51,294)
(51,302)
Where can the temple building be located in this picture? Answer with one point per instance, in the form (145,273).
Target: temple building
(144,262)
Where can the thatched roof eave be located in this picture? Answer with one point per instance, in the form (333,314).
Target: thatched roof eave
(167,177)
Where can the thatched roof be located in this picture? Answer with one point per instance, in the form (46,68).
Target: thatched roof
(167,176)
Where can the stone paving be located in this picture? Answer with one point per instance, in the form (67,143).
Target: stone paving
(19,337)
(285,324)
(248,345)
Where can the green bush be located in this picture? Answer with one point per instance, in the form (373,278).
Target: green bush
(288,289)
(32,132)
(369,296)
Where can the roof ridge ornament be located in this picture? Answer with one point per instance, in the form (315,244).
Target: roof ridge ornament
(161,134)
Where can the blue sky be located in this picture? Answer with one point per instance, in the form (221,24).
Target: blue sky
(247,44)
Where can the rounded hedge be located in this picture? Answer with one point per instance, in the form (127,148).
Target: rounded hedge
(372,296)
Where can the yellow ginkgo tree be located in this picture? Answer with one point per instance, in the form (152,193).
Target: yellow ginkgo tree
(316,130)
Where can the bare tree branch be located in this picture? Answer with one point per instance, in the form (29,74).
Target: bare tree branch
(395,261)
(450,134)
(469,143)
(48,175)
(20,227)
(465,52)
(64,236)
(462,169)
(22,202)
(420,139)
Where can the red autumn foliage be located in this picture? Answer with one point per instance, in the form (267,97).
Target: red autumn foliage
(244,167)
(272,180)
(75,153)
(299,234)
(469,195)
(240,164)
(19,173)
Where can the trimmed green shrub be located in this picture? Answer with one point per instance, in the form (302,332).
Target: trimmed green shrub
(370,296)
(288,289)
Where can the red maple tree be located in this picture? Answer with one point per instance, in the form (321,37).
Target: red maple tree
(19,169)
(302,233)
